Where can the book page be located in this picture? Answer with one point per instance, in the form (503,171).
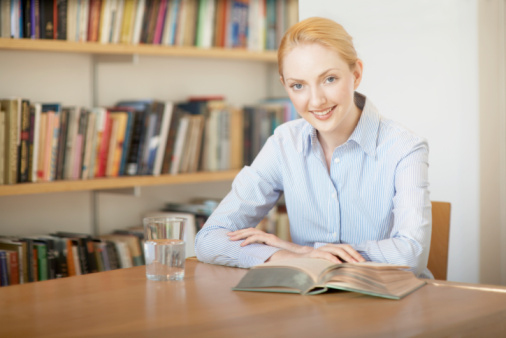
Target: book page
(312,266)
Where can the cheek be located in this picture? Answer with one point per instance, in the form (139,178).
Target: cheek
(299,101)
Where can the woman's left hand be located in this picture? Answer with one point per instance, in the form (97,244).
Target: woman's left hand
(254,235)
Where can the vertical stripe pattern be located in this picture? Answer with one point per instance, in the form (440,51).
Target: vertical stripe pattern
(375,196)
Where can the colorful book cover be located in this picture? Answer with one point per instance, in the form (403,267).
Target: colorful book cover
(62,145)
(127,24)
(103,151)
(33,142)
(138,22)
(120,119)
(24,135)
(164,132)
(160,22)
(42,266)
(13,263)
(46,19)
(11,144)
(89,145)
(2,146)
(4,271)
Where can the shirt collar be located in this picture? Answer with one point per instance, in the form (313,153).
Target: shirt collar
(365,133)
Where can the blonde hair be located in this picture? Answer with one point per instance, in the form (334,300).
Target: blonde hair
(318,30)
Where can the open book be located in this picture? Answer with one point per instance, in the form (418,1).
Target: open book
(314,275)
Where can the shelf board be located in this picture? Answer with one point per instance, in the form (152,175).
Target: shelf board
(115,183)
(126,49)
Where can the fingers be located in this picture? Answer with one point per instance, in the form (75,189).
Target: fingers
(343,251)
(324,255)
(253,235)
(243,233)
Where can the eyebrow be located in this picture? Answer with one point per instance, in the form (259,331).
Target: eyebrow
(321,74)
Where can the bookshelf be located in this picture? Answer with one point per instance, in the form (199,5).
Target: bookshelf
(115,183)
(62,46)
(91,74)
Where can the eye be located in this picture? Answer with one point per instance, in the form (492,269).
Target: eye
(331,79)
(296,86)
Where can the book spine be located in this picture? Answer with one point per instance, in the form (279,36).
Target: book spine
(46,19)
(24,142)
(27,19)
(101,164)
(54,147)
(55,19)
(138,22)
(4,272)
(90,146)
(160,21)
(2,146)
(71,270)
(126,143)
(42,265)
(12,157)
(62,143)
(14,267)
(133,152)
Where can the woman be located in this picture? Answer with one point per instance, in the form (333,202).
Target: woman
(355,183)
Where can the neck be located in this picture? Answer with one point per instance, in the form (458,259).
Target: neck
(331,140)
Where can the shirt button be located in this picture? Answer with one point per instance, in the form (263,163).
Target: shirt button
(334,234)
(334,195)
(336,160)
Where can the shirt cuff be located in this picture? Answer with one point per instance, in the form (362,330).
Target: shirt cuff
(255,254)
(319,245)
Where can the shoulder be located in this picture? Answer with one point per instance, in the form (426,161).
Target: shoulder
(395,135)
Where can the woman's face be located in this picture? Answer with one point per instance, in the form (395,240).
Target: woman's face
(321,86)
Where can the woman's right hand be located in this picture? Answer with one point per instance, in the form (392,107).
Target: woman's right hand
(336,253)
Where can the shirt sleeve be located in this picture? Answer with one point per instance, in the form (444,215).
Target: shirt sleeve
(255,190)
(409,243)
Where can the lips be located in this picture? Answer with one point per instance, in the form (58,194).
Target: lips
(323,114)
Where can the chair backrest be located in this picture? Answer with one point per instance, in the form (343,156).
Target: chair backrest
(438,256)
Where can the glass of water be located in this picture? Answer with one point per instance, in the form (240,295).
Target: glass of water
(164,248)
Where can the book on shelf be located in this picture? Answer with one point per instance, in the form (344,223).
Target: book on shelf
(62,254)
(2,146)
(47,142)
(10,107)
(201,23)
(314,275)
(4,270)
(129,246)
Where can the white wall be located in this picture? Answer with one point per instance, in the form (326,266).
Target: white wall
(421,69)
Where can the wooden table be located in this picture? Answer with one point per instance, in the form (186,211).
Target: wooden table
(123,303)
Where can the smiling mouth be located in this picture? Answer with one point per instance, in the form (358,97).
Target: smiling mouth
(322,113)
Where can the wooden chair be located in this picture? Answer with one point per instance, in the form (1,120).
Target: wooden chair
(438,256)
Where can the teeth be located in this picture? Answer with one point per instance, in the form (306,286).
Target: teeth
(325,112)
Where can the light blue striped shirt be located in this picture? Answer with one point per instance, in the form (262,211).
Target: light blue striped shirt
(375,196)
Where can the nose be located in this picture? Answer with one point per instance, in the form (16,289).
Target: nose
(318,98)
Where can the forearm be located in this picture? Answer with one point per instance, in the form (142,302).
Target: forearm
(397,250)
(213,246)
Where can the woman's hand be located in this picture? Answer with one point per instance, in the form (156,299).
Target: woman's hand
(335,253)
(344,252)
(254,235)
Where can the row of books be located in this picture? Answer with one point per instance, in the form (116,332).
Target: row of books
(37,258)
(47,142)
(253,24)
(62,254)
(25,259)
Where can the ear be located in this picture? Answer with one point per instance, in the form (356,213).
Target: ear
(357,72)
